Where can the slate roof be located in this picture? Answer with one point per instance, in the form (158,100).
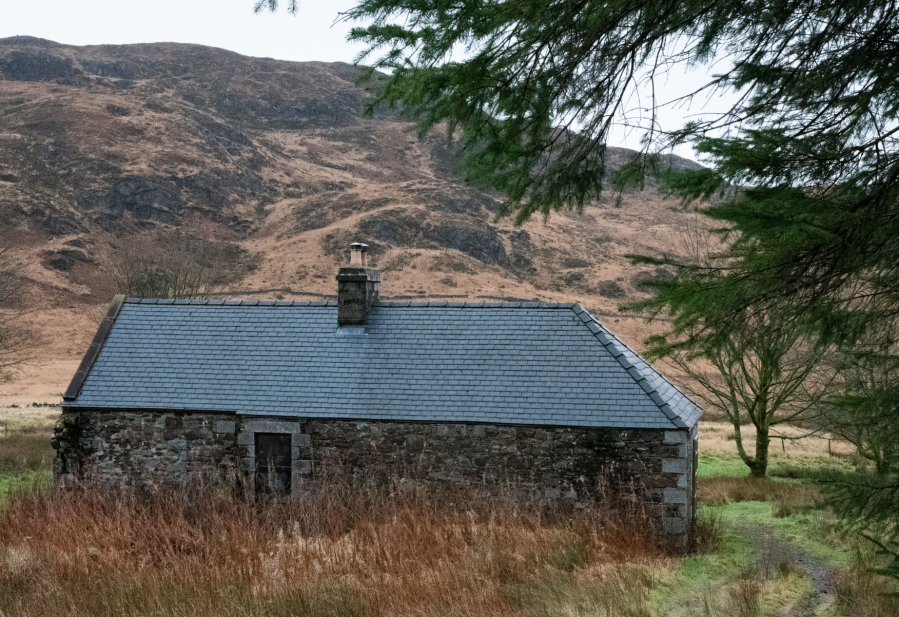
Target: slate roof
(504,363)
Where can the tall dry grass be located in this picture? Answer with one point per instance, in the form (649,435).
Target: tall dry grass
(862,593)
(788,497)
(343,550)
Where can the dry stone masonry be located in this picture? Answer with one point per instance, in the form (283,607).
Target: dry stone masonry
(157,450)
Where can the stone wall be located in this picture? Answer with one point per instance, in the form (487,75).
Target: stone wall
(148,450)
(153,450)
(550,462)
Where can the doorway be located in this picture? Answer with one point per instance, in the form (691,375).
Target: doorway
(273,469)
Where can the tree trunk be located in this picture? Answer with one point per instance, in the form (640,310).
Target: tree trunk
(758,466)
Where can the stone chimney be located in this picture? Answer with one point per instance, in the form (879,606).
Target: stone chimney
(357,288)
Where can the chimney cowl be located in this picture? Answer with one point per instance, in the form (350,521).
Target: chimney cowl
(358,286)
(358,255)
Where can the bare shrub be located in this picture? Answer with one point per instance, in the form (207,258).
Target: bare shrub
(746,594)
(763,370)
(345,549)
(173,263)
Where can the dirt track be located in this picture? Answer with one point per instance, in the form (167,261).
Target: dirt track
(774,550)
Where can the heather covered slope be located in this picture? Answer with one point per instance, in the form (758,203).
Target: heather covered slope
(273,161)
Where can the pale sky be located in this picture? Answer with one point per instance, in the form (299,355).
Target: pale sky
(232,25)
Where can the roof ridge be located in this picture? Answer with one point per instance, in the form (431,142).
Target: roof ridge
(381,304)
(226,302)
(481,304)
(609,340)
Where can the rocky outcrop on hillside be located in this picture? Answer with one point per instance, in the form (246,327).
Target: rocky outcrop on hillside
(274,159)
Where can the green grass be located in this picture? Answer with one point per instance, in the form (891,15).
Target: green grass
(808,530)
(14,481)
(694,573)
(25,458)
(807,527)
(720,464)
(712,585)
(713,464)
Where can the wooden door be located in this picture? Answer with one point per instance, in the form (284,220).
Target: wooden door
(272,464)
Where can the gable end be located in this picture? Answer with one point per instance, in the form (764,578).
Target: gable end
(93,351)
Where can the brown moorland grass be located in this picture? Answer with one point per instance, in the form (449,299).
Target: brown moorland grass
(788,497)
(343,551)
(860,592)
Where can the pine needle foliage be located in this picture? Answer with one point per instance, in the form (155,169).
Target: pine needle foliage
(805,166)
(532,88)
(293,6)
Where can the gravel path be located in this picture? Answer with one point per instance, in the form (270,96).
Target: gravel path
(774,550)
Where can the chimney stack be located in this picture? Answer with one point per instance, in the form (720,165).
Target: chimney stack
(357,288)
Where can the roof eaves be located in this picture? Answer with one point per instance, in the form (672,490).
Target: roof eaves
(90,356)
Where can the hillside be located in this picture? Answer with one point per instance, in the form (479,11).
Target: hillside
(273,161)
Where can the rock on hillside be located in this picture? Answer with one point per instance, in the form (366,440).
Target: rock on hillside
(274,159)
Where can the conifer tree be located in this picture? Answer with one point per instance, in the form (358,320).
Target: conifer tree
(529,90)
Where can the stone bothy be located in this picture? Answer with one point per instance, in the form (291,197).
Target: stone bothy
(263,394)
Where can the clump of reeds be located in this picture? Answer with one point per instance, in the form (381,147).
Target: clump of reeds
(343,549)
(707,533)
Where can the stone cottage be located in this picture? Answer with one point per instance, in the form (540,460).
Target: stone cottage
(265,392)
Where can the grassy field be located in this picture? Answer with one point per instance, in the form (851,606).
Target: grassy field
(25,452)
(765,549)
